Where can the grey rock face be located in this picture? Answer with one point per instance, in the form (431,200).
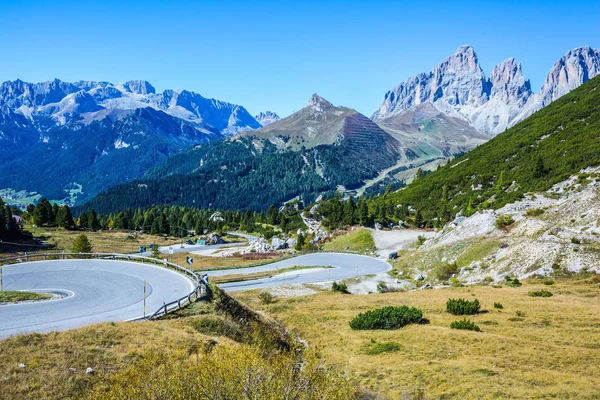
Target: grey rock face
(266,118)
(458,87)
(573,69)
(508,83)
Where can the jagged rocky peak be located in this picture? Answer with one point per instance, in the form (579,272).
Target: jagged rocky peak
(139,87)
(267,117)
(457,81)
(317,102)
(574,68)
(508,83)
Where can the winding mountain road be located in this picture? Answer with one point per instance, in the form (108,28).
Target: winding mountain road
(94,290)
(106,290)
(343,266)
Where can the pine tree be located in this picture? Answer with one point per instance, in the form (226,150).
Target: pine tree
(3,222)
(82,244)
(42,214)
(418,219)
(539,169)
(83,221)
(349,211)
(12,228)
(363,212)
(54,214)
(93,222)
(272,215)
(64,219)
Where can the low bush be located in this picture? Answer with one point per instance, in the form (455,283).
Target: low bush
(380,348)
(266,297)
(540,293)
(339,287)
(504,221)
(548,282)
(462,306)
(382,287)
(575,240)
(534,212)
(445,272)
(465,324)
(388,317)
(498,305)
(512,282)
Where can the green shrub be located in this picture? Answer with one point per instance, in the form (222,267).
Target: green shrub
(380,348)
(534,212)
(575,240)
(446,271)
(498,305)
(540,293)
(465,324)
(339,287)
(266,297)
(520,314)
(504,221)
(388,317)
(548,282)
(462,306)
(512,282)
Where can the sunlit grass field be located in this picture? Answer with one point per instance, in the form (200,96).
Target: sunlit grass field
(531,348)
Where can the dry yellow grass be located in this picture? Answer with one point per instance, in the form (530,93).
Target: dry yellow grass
(553,351)
(104,347)
(207,262)
(102,241)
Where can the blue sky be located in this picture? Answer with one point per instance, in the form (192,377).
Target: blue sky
(274,55)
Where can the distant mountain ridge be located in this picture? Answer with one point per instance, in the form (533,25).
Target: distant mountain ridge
(266,118)
(85,101)
(459,88)
(318,149)
(56,136)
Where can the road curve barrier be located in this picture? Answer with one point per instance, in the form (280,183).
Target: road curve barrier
(201,288)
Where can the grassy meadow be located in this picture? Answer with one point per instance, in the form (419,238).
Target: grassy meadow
(530,348)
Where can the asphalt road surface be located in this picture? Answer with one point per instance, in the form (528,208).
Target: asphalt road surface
(94,290)
(344,265)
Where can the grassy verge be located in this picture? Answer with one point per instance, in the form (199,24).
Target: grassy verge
(15,297)
(531,348)
(355,241)
(102,241)
(208,346)
(259,275)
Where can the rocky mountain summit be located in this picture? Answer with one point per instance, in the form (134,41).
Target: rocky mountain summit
(266,118)
(48,104)
(459,88)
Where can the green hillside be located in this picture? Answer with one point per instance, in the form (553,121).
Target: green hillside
(544,149)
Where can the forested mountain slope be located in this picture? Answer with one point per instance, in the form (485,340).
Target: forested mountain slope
(328,147)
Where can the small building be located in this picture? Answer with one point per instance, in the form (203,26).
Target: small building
(18,220)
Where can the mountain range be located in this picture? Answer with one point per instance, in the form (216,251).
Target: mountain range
(318,149)
(71,141)
(459,88)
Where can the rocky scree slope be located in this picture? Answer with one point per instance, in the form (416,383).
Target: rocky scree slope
(557,231)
